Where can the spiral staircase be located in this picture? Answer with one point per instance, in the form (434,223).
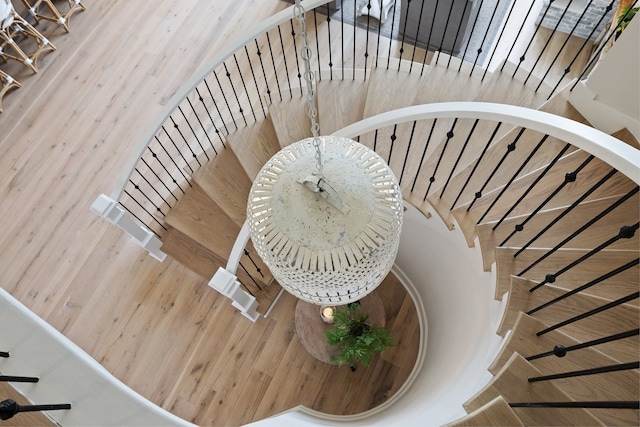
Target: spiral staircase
(545,214)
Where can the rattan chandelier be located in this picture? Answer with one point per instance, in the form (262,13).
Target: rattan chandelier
(325,213)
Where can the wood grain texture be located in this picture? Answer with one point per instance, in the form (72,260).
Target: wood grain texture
(494,413)
(511,383)
(621,385)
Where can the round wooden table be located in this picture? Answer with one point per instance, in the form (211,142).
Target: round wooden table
(311,329)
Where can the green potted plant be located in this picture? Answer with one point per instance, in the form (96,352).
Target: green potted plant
(358,340)
(626,15)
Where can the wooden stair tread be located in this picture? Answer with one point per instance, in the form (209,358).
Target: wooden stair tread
(606,260)
(621,385)
(496,412)
(254,145)
(615,320)
(592,173)
(597,233)
(511,382)
(340,103)
(224,180)
(290,118)
(387,92)
(557,105)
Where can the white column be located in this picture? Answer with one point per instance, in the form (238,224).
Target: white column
(228,285)
(108,209)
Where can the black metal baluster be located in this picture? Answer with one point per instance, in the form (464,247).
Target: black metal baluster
(137,187)
(417,35)
(510,147)
(160,180)
(583,372)
(473,28)
(375,140)
(526,192)
(315,25)
(603,44)
(176,126)
(153,217)
(524,54)
(424,152)
(273,63)
(484,38)
(589,223)
(5,354)
(366,42)
(175,181)
(478,160)
(591,404)
(455,165)
(18,379)
(393,139)
(586,286)
(553,32)
(342,37)
(255,82)
(393,26)
(244,86)
(561,351)
(264,73)
(215,104)
(444,32)
(432,179)
(600,309)
(626,232)
(404,31)
(139,220)
(455,40)
(566,40)
(497,43)
(197,116)
(224,97)
(329,44)
(378,40)
(296,54)
(176,147)
(567,69)
(235,94)
(250,276)
(284,60)
(574,234)
(515,40)
(192,131)
(433,23)
(9,408)
(568,178)
(178,168)
(567,210)
(152,187)
(248,255)
(406,154)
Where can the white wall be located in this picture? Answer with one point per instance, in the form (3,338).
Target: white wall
(462,317)
(610,97)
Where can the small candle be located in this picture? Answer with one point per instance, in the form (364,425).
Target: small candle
(327,314)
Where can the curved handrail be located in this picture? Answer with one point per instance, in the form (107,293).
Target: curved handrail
(261,28)
(616,153)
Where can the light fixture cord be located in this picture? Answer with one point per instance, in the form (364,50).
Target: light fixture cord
(305,54)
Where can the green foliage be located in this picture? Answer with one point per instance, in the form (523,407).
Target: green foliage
(358,340)
(626,15)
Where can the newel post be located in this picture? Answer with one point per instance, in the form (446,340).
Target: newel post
(108,209)
(228,285)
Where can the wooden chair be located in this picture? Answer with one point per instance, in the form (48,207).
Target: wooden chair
(12,25)
(45,9)
(6,84)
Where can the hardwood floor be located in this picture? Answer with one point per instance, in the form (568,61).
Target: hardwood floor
(66,135)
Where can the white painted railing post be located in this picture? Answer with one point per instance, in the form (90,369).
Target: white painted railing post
(228,285)
(108,209)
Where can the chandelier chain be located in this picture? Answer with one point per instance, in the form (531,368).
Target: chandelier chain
(305,54)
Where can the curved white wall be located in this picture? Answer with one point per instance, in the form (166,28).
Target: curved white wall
(462,317)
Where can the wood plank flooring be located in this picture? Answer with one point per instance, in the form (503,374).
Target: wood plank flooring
(65,136)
